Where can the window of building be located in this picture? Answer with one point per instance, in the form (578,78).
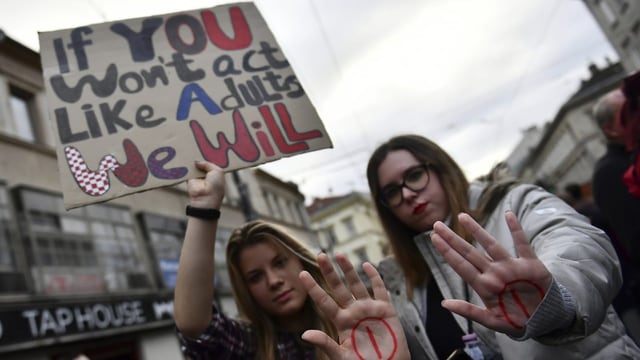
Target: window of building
(636,27)
(330,238)
(608,13)
(11,280)
(622,5)
(165,236)
(291,211)
(635,57)
(278,207)
(349,225)
(22,115)
(625,43)
(361,254)
(267,200)
(222,280)
(385,248)
(85,250)
(299,208)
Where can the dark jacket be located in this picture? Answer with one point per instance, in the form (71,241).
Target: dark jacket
(612,197)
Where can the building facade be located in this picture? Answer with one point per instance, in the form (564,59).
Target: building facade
(520,154)
(571,144)
(620,22)
(349,224)
(98,279)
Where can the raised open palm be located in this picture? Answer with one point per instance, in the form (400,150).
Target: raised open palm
(368,327)
(511,288)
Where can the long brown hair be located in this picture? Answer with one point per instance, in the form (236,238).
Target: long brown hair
(255,232)
(454,184)
(456,188)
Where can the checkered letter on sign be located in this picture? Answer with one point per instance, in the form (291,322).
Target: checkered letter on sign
(94,183)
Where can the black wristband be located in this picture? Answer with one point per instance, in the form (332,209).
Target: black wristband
(203,213)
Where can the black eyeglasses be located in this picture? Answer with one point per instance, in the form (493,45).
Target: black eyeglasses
(416,178)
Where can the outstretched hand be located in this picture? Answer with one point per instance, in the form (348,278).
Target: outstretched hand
(510,287)
(368,327)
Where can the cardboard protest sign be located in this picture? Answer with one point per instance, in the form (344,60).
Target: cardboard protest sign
(135,102)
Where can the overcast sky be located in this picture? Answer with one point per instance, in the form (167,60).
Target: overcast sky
(470,75)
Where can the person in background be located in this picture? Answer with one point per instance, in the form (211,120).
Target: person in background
(510,264)
(574,196)
(281,290)
(629,119)
(620,208)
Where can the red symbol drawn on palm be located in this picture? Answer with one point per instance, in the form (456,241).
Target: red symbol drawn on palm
(374,335)
(511,293)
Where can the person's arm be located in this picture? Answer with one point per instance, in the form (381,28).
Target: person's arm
(368,327)
(193,293)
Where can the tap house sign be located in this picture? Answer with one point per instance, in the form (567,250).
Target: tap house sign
(53,321)
(134,102)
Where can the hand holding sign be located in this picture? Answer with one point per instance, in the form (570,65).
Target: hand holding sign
(510,287)
(368,327)
(207,192)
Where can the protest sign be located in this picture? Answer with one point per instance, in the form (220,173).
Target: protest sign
(135,102)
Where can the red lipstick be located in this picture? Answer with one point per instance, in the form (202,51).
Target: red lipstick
(419,209)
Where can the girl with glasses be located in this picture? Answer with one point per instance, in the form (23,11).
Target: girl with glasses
(508,264)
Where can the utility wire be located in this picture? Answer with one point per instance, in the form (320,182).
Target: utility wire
(525,73)
(98,10)
(322,166)
(336,64)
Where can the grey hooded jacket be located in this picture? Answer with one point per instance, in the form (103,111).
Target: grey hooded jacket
(586,277)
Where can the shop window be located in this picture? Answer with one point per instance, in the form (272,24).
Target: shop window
(11,279)
(222,279)
(6,232)
(165,236)
(91,249)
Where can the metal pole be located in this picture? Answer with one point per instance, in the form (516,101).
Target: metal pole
(245,200)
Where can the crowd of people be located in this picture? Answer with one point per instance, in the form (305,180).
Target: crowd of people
(524,272)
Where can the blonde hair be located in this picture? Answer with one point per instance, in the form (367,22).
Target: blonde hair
(259,231)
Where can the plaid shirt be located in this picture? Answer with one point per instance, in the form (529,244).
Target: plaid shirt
(229,339)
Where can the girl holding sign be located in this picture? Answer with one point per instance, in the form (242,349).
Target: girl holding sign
(281,292)
(508,265)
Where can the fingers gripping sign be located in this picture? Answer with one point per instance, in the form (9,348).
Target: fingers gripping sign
(510,287)
(209,190)
(368,327)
